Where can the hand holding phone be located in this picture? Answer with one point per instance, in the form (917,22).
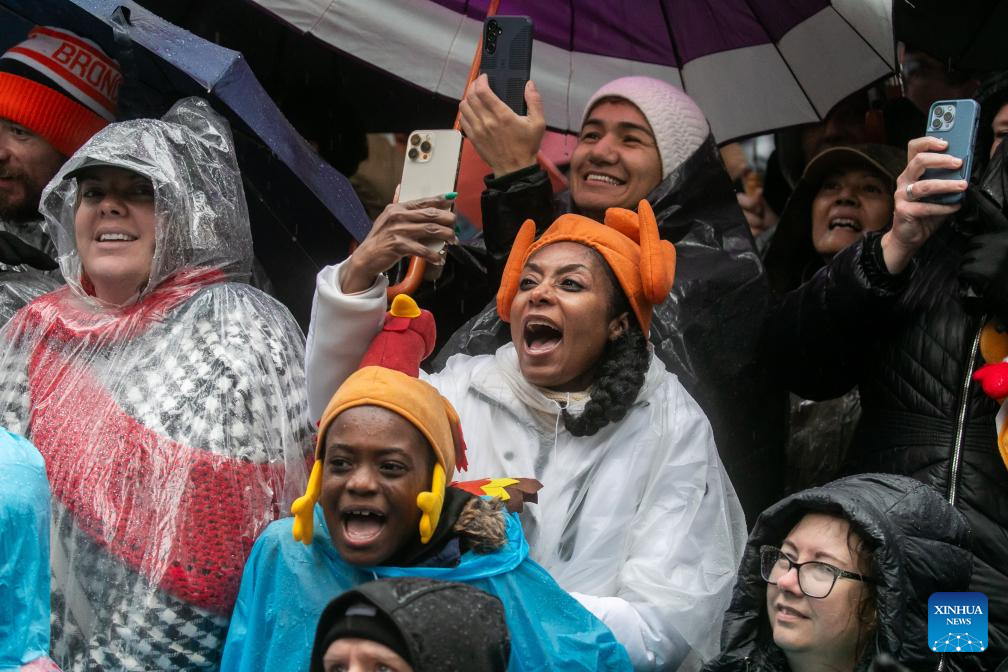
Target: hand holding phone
(431,167)
(954,121)
(507,58)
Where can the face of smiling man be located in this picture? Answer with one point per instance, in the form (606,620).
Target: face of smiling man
(616,161)
(27,163)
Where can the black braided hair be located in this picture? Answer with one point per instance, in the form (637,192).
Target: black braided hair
(619,373)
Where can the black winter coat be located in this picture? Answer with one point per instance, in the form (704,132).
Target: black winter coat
(910,344)
(707,331)
(920,546)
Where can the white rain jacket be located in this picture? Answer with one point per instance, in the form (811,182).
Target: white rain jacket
(639,522)
(174,427)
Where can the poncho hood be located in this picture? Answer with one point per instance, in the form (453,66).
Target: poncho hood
(199,202)
(920,545)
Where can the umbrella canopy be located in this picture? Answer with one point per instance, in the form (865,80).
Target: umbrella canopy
(751,65)
(304,212)
(971,37)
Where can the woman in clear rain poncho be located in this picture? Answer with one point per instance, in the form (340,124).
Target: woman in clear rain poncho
(637,518)
(166,397)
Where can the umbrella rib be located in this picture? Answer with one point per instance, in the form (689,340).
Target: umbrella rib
(570,64)
(773,42)
(451,47)
(672,41)
(863,38)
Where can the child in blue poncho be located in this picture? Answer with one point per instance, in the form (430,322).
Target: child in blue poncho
(24,557)
(377,506)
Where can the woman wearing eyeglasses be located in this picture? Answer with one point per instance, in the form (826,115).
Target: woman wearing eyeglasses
(833,576)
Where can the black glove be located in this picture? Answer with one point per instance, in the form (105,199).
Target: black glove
(16,252)
(984,265)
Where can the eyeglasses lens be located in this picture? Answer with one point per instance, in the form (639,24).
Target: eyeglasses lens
(814,578)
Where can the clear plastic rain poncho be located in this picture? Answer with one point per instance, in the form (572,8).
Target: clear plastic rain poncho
(18,288)
(174,427)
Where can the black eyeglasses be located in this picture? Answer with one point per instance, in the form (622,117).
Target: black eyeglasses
(816,579)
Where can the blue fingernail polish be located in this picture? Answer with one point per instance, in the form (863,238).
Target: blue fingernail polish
(450,196)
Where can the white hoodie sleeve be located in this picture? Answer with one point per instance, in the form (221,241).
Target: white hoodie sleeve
(341,329)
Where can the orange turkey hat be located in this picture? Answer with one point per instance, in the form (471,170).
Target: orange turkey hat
(388,379)
(644,265)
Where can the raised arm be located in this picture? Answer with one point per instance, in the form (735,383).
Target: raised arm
(816,332)
(518,189)
(349,302)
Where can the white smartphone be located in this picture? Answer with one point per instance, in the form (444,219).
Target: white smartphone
(431,166)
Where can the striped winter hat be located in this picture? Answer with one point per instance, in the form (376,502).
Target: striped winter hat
(60,86)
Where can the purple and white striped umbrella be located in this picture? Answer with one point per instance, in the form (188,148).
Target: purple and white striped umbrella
(751,65)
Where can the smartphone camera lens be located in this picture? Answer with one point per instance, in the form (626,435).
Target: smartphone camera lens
(938,111)
(414,140)
(949,116)
(413,153)
(425,146)
(936,123)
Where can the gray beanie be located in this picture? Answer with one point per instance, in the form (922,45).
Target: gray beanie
(678,124)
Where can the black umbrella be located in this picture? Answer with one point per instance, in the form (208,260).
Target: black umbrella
(304,213)
(969,34)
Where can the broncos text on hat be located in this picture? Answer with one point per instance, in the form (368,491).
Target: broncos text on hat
(60,86)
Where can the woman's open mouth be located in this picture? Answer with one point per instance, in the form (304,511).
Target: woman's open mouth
(541,337)
(845,223)
(362,526)
(115,238)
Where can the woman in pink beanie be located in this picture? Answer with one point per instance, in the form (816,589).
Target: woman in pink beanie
(642,138)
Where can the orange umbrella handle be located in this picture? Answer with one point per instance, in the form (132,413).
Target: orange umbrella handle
(417,266)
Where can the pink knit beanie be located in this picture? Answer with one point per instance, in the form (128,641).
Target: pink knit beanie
(678,124)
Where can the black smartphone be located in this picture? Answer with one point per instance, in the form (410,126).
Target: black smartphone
(507,58)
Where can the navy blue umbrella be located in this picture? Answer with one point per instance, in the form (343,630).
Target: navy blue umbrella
(304,212)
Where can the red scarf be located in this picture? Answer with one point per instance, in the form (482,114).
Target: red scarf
(109,471)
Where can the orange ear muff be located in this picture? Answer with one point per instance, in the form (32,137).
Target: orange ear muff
(658,257)
(303,507)
(513,269)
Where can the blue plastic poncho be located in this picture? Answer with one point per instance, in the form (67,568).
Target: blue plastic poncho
(286,585)
(24,553)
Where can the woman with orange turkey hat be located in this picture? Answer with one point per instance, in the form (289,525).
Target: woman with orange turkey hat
(637,518)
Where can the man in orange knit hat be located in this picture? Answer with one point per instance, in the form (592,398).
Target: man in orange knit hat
(57,89)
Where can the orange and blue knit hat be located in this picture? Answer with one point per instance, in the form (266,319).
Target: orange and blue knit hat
(60,86)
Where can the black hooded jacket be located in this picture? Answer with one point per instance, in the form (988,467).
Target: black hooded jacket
(910,344)
(707,331)
(919,543)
